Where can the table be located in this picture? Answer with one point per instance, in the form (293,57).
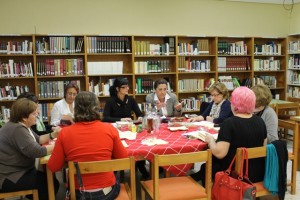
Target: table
(176,144)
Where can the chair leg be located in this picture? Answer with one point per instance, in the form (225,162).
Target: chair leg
(293,178)
(143,194)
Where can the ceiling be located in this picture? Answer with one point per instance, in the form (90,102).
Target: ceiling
(269,1)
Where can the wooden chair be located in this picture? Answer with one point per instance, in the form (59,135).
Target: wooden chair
(257,152)
(34,192)
(178,187)
(126,192)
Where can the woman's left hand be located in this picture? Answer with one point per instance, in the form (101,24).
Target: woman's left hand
(140,119)
(178,106)
(210,119)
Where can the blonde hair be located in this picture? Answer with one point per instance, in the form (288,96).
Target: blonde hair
(220,88)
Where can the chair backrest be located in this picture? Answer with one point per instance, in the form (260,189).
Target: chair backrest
(34,192)
(286,108)
(255,152)
(184,158)
(103,166)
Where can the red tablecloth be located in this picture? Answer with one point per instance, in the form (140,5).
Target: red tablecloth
(176,144)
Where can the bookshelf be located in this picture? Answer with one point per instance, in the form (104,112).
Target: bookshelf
(269,63)
(189,63)
(293,68)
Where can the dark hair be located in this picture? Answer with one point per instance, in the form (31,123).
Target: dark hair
(70,85)
(118,82)
(22,108)
(159,82)
(30,96)
(86,107)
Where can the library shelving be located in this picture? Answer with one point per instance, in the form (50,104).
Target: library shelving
(293,68)
(43,64)
(269,64)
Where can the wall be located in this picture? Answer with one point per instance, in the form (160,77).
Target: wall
(143,17)
(295,20)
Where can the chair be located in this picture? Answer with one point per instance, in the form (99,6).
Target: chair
(126,192)
(184,187)
(34,192)
(256,152)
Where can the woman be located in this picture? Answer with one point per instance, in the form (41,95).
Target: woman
(263,98)
(166,103)
(89,140)
(219,109)
(119,106)
(19,147)
(64,108)
(242,130)
(39,128)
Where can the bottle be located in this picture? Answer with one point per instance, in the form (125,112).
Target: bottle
(133,128)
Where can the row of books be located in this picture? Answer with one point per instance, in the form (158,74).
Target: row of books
(9,92)
(152,66)
(197,47)
(191,104)
(194,85)
(59,45)
(270,48)
(16,47)
(147,48)
(45,110)
(230,82)
(60,67)
(266,64)
(109,67)
(16,69)
(191,65)
(53,89)
(269,81)
(232,48)
(293,77)
(5,114)
(294,62)
(233,64)
(294,92)
(294,46)
(108,44)
(100,88)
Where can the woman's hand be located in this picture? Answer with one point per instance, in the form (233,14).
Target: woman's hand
(159,104)
(196,119)
(140,119)
(126,119)
(68,117)
(210,119)
(178,107)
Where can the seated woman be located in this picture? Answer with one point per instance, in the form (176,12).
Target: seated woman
(166,103)
(241,130)
(19,147)
(89,140)
(263,98)
(219,109)
(64,108)
(39,128)
(119,106)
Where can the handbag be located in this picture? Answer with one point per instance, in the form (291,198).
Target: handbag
(81,187)
(232,185)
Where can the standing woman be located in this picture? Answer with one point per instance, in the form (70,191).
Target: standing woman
(119,106)
(219,109)
(166,103)
(64,108)
(19,147)
(263,110)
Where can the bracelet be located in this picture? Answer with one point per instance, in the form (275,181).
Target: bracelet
(50,136)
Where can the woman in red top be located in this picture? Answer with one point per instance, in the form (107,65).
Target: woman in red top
(89,140)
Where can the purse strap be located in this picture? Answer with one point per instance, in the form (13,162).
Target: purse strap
(79,178)
(245,158)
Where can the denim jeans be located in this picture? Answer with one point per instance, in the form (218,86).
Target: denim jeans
(100,195)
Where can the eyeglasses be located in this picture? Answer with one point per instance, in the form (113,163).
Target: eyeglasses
(215,95)
(70,94)
(125,87)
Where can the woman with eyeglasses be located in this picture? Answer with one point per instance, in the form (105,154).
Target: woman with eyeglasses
(219,109)
(120,106)
(19,148)
(63,110)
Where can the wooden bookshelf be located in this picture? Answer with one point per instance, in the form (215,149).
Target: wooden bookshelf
(190,63)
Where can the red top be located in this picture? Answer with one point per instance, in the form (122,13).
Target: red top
(88,141)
